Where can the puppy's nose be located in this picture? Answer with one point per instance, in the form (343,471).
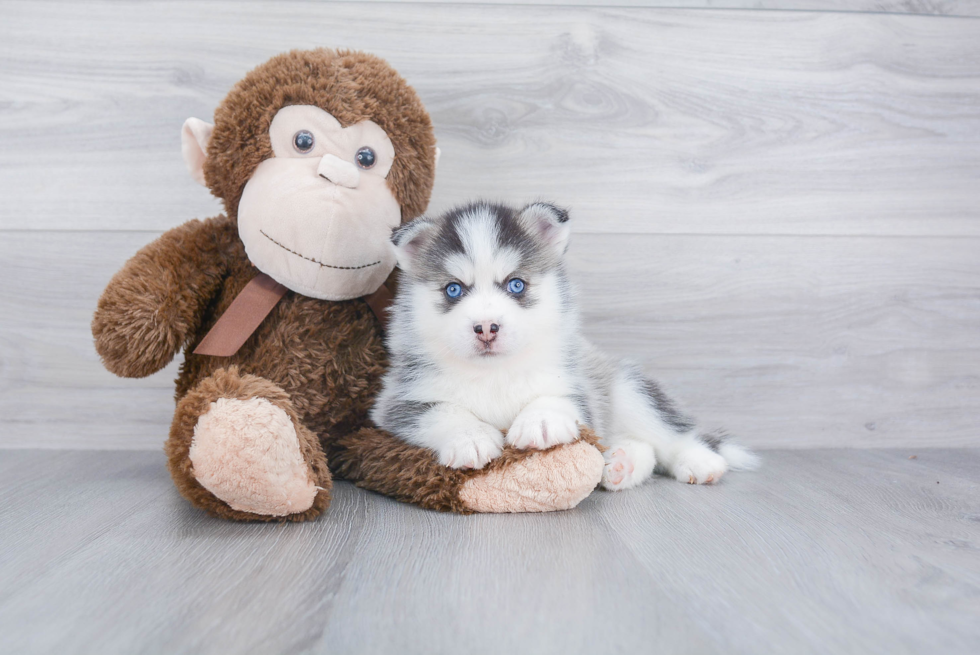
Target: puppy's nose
(486,331)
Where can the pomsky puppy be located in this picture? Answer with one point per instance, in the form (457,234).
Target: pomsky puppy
(485,337)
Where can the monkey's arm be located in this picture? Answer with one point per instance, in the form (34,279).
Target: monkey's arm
(153,305)
(517,481)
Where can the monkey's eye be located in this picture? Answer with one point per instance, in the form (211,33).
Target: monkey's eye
(366,158)
(454,290)
(303,141)
(516,286)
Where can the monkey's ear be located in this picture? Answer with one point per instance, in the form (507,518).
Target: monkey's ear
(194,137)
(549,223)
(408,240)
(438,155)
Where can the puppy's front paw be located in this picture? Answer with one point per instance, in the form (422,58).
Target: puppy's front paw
(472,448)
(542,428)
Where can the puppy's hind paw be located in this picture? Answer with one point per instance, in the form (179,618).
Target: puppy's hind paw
(627,465)
(699,466)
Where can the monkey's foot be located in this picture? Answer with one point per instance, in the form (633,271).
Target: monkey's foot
(238,450)
(246,452)
(535,481)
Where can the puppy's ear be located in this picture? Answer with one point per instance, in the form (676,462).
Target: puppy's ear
(409,239)
(548,223)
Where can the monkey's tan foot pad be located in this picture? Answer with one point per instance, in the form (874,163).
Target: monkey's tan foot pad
(554,479)
(247,453)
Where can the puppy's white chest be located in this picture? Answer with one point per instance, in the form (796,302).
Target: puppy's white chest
(498,396)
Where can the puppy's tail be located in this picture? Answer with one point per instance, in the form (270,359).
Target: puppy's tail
(738,457)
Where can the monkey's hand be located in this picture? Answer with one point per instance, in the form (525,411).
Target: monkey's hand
(153,305)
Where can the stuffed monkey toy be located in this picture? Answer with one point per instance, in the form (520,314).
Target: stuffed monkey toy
(279,304)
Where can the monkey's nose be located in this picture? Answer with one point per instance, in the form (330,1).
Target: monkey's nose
(486,331)
(338,171)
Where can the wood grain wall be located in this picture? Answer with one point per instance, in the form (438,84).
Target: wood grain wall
(776,212)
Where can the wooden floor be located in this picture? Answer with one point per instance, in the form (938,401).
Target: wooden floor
(822,551)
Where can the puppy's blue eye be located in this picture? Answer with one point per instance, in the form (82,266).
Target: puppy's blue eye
(516,286)
(454,290)
(303,141)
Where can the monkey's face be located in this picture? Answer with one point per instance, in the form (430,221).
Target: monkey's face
(317,216)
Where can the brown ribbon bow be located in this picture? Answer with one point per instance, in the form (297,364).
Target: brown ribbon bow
(253,304)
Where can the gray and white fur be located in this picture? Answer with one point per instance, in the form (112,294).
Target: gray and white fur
(485,337)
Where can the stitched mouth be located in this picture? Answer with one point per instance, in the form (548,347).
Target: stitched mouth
(316,261)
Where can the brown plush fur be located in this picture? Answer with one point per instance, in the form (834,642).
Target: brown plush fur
(375,460)
(352,86)
(320,361)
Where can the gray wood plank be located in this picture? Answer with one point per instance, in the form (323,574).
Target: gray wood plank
(558,571)
(820,551)
(52,382)
(851,342)
(923,7)
(248,567)
(786,341)
(808,563)
(644,119)
(70,491)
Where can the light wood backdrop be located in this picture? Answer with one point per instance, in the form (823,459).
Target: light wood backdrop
(777,210)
